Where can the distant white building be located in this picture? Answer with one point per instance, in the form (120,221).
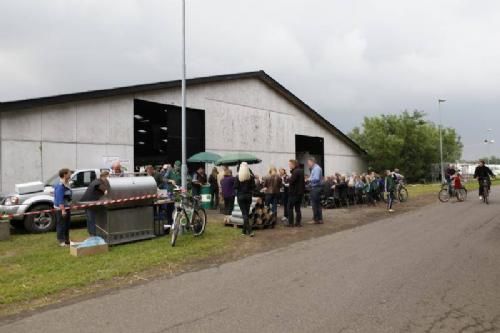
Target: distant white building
(469,168)
(140,125)
(466,168)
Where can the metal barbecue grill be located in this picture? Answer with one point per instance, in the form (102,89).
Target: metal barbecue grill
(129,220)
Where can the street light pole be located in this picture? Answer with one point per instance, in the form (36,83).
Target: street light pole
(441,137)
(183,100)
(489,141)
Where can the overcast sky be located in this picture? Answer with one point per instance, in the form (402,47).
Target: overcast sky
(347,59)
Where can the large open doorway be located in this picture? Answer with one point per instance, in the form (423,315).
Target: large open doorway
(309,146)
(157,133)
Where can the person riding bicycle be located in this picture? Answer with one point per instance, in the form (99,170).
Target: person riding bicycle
(448,175)
(483,173)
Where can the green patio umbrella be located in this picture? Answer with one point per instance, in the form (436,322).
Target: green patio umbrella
(237,158)
(204,157)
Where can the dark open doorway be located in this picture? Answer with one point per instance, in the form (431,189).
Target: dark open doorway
(309,146)
(157,133)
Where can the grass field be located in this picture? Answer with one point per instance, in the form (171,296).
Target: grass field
(33,266)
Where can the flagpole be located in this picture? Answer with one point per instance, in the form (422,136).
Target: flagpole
(183,102)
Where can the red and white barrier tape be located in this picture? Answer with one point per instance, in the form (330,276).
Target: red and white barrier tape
(89,205)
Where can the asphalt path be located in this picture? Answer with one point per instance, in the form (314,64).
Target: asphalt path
(436,269)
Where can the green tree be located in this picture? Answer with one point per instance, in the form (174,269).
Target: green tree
(406,141)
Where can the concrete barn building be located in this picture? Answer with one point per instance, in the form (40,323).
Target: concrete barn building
(140,125)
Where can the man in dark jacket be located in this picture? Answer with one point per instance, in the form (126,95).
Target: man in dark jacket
(96,190)
(389,188)
(296,188)
(482,173)
(150,171)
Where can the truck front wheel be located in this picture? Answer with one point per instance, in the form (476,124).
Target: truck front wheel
(40,222)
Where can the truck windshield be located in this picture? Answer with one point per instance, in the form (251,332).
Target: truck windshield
(52,180)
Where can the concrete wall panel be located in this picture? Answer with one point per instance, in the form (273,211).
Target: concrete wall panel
(59,123)
(247,115)
(121,122)
(107,120)
(22,125)
(90,156)
(21,162)
(123,152)
(56,156)
(92,121)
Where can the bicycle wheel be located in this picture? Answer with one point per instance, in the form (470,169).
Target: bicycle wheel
(176,226)
(199,221)
(403,194)
(486,196)
(461,194)
(444,195)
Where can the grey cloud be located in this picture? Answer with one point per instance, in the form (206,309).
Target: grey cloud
(348,59)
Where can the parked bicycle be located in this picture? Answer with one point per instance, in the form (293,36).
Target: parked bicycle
(189,216)
(449,191)
(402,191)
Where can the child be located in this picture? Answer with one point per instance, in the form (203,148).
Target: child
(390,187)
(457,184)
(457,181)
(259,212)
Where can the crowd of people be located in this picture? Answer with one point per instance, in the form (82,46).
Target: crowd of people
(288,187)
(292,189)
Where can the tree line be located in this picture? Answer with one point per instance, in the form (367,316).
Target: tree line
(491,159)
(406,141)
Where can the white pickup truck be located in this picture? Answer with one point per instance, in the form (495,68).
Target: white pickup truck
(39,196)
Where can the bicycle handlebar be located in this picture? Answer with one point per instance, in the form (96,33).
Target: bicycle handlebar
(185,194)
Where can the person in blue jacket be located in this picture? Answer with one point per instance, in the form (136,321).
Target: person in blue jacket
(316,180)
(62,203)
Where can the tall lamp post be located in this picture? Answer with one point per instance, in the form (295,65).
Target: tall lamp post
(183,100)
(441,138)
(488,141)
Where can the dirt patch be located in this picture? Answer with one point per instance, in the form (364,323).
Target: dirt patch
(335,220)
